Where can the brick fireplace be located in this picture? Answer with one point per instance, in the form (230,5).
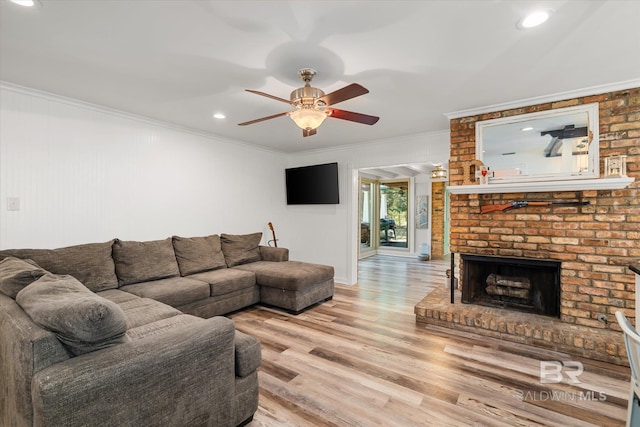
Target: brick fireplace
(592,244)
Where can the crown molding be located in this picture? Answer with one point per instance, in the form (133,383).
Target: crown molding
(129,116)
(592,90)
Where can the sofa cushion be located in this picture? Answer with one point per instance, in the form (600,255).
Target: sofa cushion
(161,326)
(227,280)
(175,291)
(117,296)
(141,311)
(196,254)
(81,320)
(290,275)
(138,262)
(240,248)
(90,263)
(16,273)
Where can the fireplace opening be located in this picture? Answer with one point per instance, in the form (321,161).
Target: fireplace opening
(523,284)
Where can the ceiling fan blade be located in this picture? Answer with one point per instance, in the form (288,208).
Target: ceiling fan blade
(353,117)
(263,119)
(308,132)
(269,96)
(347,92)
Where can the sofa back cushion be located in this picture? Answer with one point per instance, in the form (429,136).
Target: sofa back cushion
(198,254)
(82,320)
(16,273)
(240,248)
(144,261)
(90,263)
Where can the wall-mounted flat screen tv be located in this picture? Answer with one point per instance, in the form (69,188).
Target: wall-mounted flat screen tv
(313,185)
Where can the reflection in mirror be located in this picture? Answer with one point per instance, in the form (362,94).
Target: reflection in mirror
(557,144)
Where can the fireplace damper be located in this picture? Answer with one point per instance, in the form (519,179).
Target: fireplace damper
(523,284)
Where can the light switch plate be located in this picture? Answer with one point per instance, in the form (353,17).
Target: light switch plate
(13,203)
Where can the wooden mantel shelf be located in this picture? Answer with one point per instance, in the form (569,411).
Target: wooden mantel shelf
(544,186)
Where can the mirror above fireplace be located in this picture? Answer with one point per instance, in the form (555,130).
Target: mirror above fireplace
(560,144)
(558,150)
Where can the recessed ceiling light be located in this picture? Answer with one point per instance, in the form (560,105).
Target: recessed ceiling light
(533,19)
(219,116)
(27,3)
(526,129)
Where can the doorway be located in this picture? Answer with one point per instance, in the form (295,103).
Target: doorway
(384,215)
(367,205)
(394,213)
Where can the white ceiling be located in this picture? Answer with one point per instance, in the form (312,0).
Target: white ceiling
(181,61)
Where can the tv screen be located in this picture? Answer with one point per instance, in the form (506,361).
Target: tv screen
(313,185)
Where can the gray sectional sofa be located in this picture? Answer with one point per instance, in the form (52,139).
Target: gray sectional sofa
(127,333)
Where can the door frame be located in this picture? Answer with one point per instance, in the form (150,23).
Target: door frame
(373,230)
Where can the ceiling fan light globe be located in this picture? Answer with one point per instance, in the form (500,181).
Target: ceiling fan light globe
(306,118)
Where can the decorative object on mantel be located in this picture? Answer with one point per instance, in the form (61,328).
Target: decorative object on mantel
(480,167)
(615,166)
(517,204)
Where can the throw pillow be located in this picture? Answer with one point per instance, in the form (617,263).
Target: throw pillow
(82,320)
(241,248)
(16,273)
(138,262)
(198,254)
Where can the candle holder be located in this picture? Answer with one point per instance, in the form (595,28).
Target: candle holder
(615,166)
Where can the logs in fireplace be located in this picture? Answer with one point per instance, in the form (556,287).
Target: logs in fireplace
(528,285)
(513,287)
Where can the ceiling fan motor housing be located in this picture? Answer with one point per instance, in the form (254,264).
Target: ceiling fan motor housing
(305,97)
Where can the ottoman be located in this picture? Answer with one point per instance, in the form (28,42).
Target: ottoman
(292,285)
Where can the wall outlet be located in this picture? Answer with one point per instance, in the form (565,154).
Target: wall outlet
(13,203)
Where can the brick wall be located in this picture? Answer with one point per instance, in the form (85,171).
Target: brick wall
(596,243)
(437,220)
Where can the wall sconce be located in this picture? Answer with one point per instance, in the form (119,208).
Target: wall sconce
(439,172)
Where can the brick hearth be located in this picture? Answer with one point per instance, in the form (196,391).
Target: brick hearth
(524,328)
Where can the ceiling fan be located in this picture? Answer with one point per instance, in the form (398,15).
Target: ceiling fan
(312,106)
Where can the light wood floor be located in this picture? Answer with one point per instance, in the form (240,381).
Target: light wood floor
(362,360)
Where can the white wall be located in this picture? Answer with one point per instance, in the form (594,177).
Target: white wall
(87,174)
(423,188)
(330,234)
